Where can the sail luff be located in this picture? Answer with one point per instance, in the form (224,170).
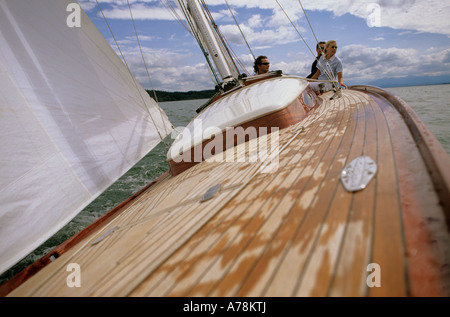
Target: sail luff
(72,121)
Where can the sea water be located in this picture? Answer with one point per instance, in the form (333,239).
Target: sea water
(431,103)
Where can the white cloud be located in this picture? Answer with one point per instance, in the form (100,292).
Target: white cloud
(362,62)
(223,15)
(266,27)
(374,62)
(421,15)
(167,68)
(139,11)
(255,21)
(87,5)
(131,40)
(261,37)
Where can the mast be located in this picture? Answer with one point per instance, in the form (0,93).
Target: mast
(221,58)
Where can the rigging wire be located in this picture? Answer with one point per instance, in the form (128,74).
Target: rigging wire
(219,34)
(174,13)
(191,27)
(134,80)
(199,41)
(327,68)
(307,19)
(235,56)
(224,40)
(148,74)
(142,54)
(315,37)
(240,30)
(112,34)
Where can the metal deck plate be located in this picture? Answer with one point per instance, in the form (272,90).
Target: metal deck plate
(358,173)
(211,192)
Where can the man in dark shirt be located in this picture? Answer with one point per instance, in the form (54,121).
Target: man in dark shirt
(261,65)
(319,49)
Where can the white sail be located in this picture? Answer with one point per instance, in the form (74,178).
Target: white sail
(72,121)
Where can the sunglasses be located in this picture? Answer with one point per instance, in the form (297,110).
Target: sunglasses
(265,63)
(333,46)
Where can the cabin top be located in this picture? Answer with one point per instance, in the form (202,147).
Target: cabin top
(246,104)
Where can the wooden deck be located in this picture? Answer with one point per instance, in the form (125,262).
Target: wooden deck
(292,230)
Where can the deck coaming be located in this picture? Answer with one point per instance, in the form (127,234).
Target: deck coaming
(292,232)
(427,267)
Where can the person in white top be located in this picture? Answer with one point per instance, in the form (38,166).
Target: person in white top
(330,61)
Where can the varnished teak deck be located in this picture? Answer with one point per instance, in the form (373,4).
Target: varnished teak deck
(293,231)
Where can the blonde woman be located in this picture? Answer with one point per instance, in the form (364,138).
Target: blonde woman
(330,61)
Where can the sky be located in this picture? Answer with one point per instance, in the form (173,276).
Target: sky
(379,39)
